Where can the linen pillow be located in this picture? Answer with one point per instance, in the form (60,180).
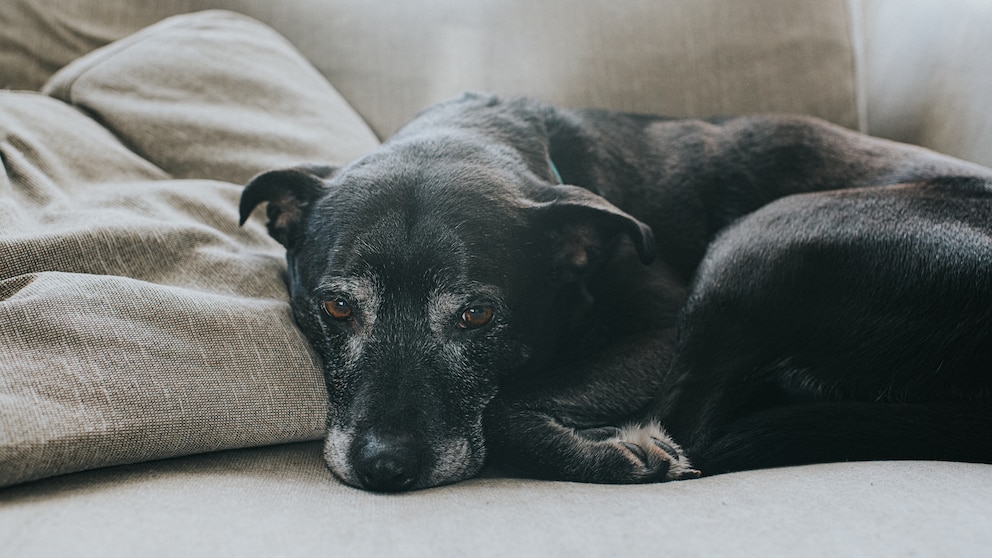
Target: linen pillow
(214,94)
(137,320)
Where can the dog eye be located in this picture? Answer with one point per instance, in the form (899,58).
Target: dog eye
(339,309)
(475,317)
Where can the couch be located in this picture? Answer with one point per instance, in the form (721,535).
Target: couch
(155,396)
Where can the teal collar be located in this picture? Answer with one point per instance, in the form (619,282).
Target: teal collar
(554,170)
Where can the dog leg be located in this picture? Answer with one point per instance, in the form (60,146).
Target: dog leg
(540,445)
(654,454)
(588,430)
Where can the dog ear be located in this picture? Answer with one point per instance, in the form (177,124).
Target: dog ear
(583,224)
(289,192)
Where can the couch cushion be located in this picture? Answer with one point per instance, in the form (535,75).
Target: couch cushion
(38,38)
(137,320)
(390,58)
(929,74)
(672,57)
(282,501)
(214,95)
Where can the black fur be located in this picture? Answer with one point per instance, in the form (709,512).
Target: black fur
(773,289)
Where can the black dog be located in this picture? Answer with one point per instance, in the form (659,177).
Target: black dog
(774,290)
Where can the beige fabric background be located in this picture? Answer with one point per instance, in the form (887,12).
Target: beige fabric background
(390,58)
(281,501)
(909,70)
(137,320)
(928,74)
(216,95)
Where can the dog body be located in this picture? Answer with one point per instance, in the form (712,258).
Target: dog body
(544,288)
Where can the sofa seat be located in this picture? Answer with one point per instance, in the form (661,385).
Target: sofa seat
(282,501)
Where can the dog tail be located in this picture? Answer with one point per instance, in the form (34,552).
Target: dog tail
(823,432)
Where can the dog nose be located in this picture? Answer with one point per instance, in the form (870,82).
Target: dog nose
(387,463)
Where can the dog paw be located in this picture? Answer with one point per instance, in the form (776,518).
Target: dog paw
(637,453)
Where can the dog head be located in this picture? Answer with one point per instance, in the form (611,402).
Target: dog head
(427,274)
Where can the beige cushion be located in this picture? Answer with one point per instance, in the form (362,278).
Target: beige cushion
(38,38)
(214,95)
(672,57)
(929,74)
(282,501)
(390,58)
(137,320)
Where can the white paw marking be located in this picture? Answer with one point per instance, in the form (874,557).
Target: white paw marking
(656,445)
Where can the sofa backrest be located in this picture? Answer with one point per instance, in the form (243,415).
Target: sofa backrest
(928,74)
(913,70)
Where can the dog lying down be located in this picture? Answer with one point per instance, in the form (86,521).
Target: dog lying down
(604,297)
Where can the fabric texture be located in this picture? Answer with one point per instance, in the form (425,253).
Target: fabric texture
(282,501)
(909,70)
(137,320)
(390,58)
(671,57)
(214,95)
(37,37)
(929,74)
